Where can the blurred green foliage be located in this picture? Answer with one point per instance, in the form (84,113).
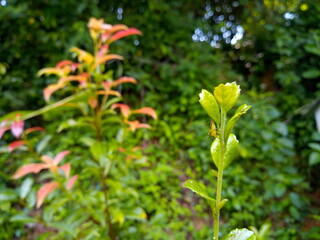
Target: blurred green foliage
(276,62)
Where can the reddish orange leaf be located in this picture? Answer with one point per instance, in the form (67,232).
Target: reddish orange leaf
(63,63)
(16,144)
(125,109)
(44,191)
(107,85)
(60,156)
(109,92)
(66,169)
(124,80)
(47,92)
(107,58)
(134,125)
(116,28)
(93,102)
(30,168)
(33,129)
(146,110)
(82,79)
(71,182)
(124,33)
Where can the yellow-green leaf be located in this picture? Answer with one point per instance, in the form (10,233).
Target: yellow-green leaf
(227,95)
(240,111)
(209,103)
(230,154)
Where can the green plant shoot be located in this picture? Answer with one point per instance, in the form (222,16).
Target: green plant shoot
(224,148)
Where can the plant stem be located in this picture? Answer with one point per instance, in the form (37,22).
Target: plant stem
(220,176)
(108,218)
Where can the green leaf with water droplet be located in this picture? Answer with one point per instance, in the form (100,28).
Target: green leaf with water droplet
(199,188)
(241,234)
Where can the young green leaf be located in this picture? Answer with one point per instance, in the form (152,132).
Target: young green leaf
(240,111)
(241,234)
(227,95)
(230,154)
(209,103)
(232,150)
(198,188)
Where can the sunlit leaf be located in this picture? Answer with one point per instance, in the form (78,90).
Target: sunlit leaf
(83,56)
(227,95)
(56,71)
(44,191)
(209,103)
(241,234)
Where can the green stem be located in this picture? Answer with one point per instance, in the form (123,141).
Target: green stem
(220,176)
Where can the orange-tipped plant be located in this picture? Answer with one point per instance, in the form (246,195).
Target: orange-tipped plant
(93,93)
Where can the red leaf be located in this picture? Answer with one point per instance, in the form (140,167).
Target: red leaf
(33,129)
(124,33)
(146,110)
(71,182)
(124,80)
(16,144)
(17,128)
(66,169)
(125,109)
(59,157)
(30,168)
(44,191)
(63,63)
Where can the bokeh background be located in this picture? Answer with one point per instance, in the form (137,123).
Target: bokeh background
(271,48)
